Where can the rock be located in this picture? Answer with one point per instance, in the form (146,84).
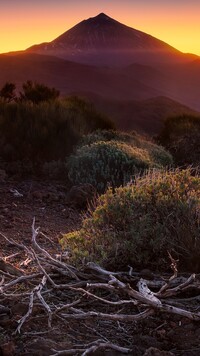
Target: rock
(80,195)
(152,351)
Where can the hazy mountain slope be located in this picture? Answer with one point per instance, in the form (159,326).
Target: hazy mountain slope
(180,82)
(71,77)
(101,40)
(119,92)
(145,116)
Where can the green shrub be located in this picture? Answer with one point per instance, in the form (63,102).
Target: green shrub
(132,139)
(138,224)
(157,153)
(110,162)
(181,136)
(104,163)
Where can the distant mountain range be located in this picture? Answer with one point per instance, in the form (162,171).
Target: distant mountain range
(102,40)
(135,78)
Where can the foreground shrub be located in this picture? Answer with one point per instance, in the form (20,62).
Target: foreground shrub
(181,136)
(110,162)
(139,223)
(132,139)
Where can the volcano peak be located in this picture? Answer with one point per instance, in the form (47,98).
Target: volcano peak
(102,15)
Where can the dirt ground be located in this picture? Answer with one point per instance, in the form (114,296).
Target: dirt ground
(20,202)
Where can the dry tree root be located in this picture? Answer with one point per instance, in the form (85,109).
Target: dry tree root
(65,292)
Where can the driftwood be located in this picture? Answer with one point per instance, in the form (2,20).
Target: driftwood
(123,296)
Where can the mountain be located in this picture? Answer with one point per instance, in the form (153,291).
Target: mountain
(70,77)
(124,94)
(135,78)
(145,116)
(101,40)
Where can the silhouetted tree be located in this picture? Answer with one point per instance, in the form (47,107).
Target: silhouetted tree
(7,93)
(36,92)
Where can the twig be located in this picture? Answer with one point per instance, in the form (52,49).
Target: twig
(90,348)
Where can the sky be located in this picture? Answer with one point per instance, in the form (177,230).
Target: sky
(26,22)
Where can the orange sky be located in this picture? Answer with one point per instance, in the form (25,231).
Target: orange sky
(24,22)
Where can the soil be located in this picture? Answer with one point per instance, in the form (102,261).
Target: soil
(160,334)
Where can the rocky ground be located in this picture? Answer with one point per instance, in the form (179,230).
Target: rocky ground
(57,212)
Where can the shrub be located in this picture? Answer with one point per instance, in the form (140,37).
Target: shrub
(85,114)
(47,131)
(139,223)
(7,92)
(110,162)
(132,139)
(181,136)
(37,93)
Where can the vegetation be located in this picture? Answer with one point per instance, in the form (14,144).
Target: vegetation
(181,136)
(7,92)
(138,224)
(46,131)
(37,93)
(114,161)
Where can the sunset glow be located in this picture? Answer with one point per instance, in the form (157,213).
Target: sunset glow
(24,23)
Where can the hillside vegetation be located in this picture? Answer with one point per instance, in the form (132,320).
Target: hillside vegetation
(140,223)
(46,131)
(147,218)
(114,158)
(181,136)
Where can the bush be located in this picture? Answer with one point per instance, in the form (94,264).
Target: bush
(110,162)
(132,139)
(139,223)
(47,131)
(37,93)
(7,92)
(89,118)
(181,136)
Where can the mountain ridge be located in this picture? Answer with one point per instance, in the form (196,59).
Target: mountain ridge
(132,96)
(102,40)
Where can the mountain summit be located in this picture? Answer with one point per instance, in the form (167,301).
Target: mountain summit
(103,40)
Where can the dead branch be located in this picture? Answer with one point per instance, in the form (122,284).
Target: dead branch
(36,291)
(92,347)
(114,317)
(35,233)
(29,312)
(63,292)
(14,243)
(121,302)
